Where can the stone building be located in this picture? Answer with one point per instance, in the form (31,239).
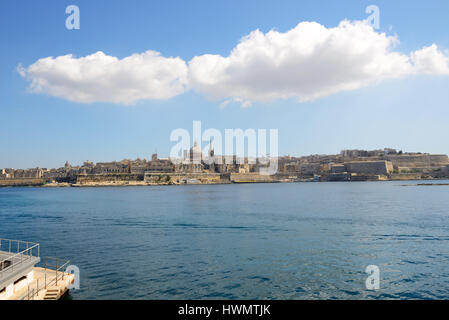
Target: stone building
(86,168)
(445,170)
(110,167)
(34,173)
(338,168)
(6,173)
(138,166)
(309,169)
(354,153)
(187,167)
(160,165)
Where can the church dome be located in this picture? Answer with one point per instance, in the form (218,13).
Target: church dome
(195,152)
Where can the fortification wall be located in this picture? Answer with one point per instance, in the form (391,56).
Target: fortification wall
(370,167)
(420,160)
(181,178)
(114,177)
(408,176)
(250,177)
(22,182)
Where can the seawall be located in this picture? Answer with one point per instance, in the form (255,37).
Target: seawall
(25,182)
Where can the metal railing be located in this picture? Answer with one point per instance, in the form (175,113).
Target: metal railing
(18,252)
(59,266)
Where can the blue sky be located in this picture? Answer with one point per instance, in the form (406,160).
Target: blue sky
(42,130)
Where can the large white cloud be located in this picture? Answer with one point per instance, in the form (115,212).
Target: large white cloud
(99,77)
(307,62)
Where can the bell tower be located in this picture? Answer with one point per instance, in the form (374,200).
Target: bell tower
(211,150)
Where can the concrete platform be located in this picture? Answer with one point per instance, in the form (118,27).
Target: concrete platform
(20,279)
(36,289)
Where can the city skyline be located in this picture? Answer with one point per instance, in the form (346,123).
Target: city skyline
(197,166)
(46,129)
(205,153)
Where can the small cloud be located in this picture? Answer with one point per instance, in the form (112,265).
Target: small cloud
(243,104)
(225,103)
(430,60)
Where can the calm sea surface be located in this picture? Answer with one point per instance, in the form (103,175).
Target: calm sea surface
(248,241)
